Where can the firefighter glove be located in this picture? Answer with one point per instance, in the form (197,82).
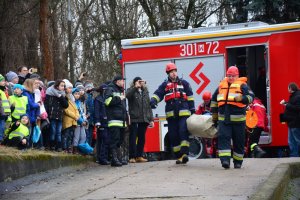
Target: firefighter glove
(153,103)
(215,117)
(238,98)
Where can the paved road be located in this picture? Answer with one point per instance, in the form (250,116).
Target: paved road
(199,179)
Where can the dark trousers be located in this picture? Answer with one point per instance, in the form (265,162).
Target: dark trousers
(67,138)
(137,139)
(15,142)
(102,144)
(116,137)
(178,135)
(255,135)
(236,132)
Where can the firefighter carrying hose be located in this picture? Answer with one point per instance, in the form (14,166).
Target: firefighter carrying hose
(228,107)
(179,100)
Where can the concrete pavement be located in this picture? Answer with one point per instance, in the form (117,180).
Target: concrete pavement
(199,179)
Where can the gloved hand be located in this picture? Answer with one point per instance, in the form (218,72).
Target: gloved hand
(98,124)
(238,98)
(153,103)
(215,117)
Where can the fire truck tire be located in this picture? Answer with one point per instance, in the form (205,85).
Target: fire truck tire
(196,148)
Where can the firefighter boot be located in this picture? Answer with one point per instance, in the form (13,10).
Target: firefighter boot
(114,159)
(226,164)
(183,159)
(258,152)
(237,165)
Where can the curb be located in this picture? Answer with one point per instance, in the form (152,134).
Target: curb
(14,168)
(275,186)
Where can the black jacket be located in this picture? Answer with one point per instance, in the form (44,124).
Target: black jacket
(55,106)
(139,105)
(292,110)
(115,107)
(100,110)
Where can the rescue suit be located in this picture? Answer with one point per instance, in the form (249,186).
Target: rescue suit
(231,118)
(180,105)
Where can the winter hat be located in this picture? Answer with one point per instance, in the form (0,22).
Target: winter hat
(88,85)
(118,77)
(102,87)
(11,76)
(137,79)
(35,76)
(79,86)
(50,83)
(68,83)
(1,77)
(74,90)
(18,86)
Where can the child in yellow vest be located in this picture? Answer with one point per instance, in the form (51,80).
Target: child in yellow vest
(17,135)
(18,102)
(4,107)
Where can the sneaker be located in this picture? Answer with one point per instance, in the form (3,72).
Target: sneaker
(141,160)
(226,164)
(132,160)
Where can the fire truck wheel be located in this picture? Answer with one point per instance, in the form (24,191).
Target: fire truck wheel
(196,148)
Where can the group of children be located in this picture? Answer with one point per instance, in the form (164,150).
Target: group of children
(59,115)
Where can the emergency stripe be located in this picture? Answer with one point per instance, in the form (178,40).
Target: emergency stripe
(190,98)
(176,148)
(181,113)
(250,99)
(252,146)
(118,123)
(213,104)
(156,97)
(225,153)
(5,102)
(238,156)
(21,131)
(184,143)
(114,94)
(233,118)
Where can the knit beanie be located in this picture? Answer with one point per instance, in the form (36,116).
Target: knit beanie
(11,76)
(1,77)
(79,86)
(50,83)
(74,90)
(88,85)
(18,86)
(68,83)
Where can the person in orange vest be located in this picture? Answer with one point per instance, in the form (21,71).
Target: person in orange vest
(262,125)
(228,107)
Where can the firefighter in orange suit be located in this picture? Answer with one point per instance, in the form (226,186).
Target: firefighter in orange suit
(228,107)
(180,105)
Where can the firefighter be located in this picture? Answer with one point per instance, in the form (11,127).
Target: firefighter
(204,107)
(262,125)
(228,107)
(115,103)
(179,100)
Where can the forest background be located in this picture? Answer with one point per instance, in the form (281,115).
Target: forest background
(62,38)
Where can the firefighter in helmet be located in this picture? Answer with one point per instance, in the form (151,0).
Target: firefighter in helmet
(204,107)
(228,107)
(179,100)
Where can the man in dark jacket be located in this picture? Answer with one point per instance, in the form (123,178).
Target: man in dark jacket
(115,102)
(141,116)
(292,117)
(100,119)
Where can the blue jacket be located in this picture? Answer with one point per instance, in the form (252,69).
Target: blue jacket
(89,102)
(178,97)
(33,110)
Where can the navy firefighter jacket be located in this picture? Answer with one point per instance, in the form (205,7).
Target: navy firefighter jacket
(178,97)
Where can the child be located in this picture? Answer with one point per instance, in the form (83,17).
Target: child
(79,132)
(17,134)
(18,102)
(4,107)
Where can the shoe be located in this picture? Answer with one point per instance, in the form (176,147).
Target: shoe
(237,165)
(103,162)
(114,159)
(141,160)
(183,159)
(132,160)
(124,162)
(258,152)
(226,164)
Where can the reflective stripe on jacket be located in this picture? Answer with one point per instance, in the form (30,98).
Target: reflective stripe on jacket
(5,102)
(22,131)
(20,104)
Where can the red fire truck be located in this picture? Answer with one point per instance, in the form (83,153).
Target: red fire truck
(202,56)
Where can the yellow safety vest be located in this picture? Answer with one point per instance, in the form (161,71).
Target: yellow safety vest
(5,102)
(20,105)
(21,131)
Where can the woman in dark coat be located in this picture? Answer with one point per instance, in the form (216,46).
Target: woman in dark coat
(141,117)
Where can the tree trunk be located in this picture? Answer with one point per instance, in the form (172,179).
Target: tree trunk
(44,39)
